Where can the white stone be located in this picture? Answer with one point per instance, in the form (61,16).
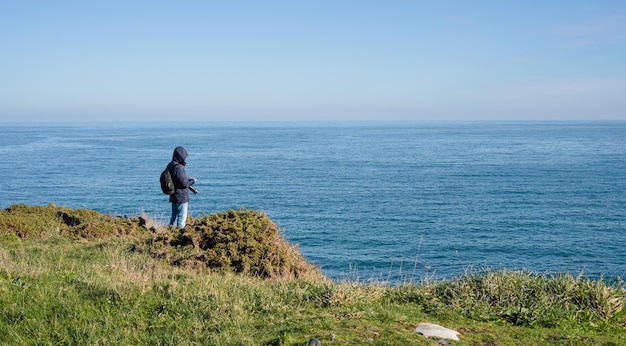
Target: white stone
(434,330)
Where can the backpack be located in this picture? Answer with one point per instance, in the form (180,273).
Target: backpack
(167,184)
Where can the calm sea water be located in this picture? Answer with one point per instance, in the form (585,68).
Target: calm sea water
(367,201)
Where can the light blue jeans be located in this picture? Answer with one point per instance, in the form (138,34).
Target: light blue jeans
(179,214)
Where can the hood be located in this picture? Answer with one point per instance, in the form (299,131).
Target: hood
(180,155)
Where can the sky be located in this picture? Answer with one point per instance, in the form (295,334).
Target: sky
(302,60)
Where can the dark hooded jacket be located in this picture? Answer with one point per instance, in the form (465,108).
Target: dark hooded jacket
(179,176)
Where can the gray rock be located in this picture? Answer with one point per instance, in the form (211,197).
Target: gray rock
(314,342)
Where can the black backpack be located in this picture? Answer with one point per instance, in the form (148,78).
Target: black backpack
(167,184)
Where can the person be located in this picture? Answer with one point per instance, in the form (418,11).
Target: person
(180,197)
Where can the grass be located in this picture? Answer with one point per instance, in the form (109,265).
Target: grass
(125,285)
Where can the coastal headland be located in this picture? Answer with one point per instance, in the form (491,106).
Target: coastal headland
(75,276)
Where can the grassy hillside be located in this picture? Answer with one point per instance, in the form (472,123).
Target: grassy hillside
(79,277)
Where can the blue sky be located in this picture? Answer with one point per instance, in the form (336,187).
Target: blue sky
(312,60)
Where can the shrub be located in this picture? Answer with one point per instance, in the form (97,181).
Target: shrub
(526,299)
(36,222)
(241,241)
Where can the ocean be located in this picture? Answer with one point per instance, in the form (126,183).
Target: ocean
(366,201)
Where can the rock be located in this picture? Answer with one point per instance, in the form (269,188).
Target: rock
(433,330)
(314,342)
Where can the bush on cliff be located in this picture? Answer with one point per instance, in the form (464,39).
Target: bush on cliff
(241,241)
(36,222)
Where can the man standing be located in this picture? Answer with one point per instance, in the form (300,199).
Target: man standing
(180,197)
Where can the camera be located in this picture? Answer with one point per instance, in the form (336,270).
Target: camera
(193,189)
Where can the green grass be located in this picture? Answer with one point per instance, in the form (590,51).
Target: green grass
(126,286)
